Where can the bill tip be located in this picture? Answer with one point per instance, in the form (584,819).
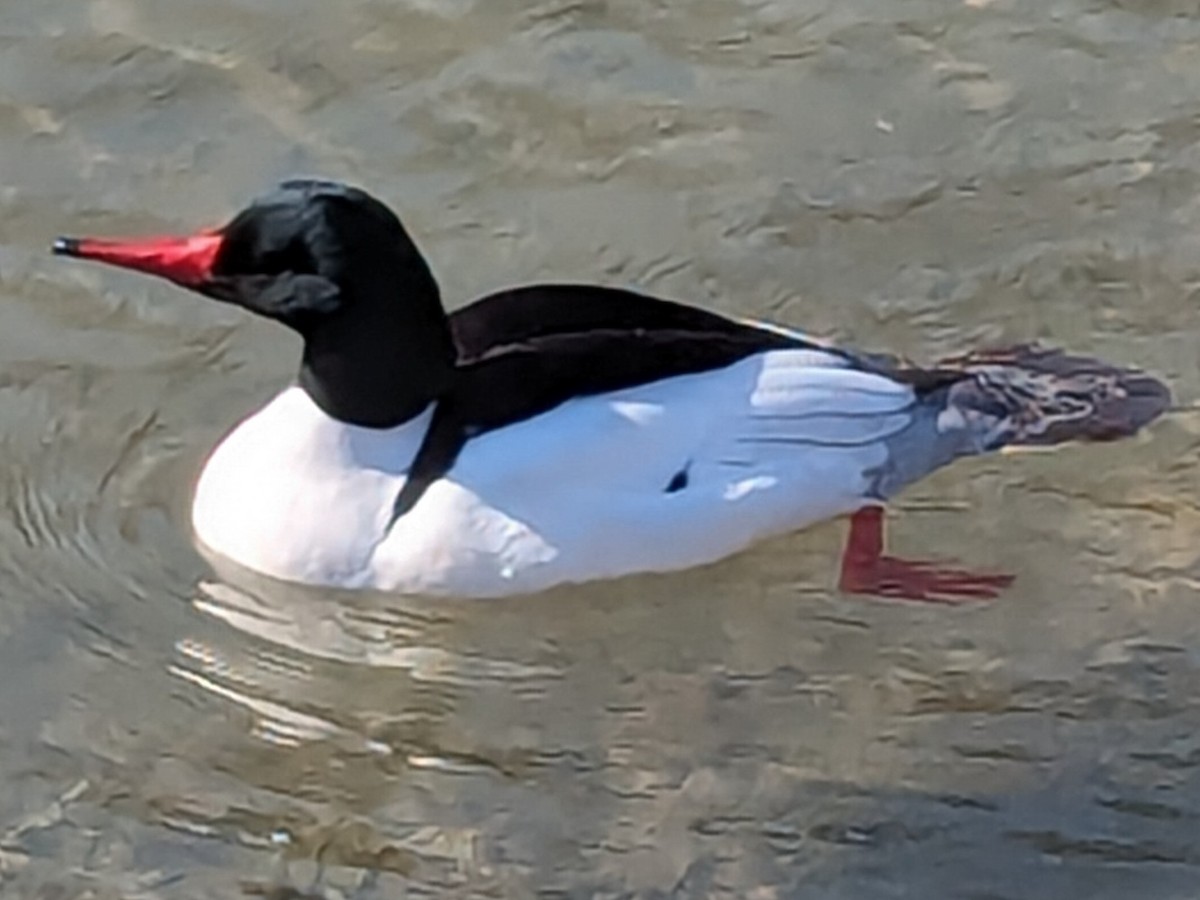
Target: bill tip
(65,246)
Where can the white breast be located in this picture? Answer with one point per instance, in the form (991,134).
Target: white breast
(298,495)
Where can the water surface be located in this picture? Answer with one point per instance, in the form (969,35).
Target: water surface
(919,176)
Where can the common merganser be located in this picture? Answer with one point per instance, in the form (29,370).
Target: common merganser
(563,433)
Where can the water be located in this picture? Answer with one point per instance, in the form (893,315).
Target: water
(918,176)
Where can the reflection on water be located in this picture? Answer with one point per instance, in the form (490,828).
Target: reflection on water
(920,177)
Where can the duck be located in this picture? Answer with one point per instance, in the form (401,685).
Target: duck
(561,433)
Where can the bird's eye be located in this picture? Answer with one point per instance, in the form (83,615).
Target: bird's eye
(245,255)
(292,257)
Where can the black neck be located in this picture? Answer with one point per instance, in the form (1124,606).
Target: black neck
(384,358)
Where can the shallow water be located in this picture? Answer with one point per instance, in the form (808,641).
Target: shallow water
(918,176)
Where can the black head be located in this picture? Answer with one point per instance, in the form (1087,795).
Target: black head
(333,263)
(297,254)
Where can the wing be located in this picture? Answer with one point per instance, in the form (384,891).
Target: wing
(666,475)
(759,414)
(525,351)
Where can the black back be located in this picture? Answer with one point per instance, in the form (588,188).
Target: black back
(522,314)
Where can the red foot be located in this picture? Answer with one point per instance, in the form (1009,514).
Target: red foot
(865,570)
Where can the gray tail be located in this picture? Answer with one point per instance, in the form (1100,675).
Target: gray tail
(1033,396)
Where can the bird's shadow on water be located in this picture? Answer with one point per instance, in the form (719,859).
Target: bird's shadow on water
(652,740)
